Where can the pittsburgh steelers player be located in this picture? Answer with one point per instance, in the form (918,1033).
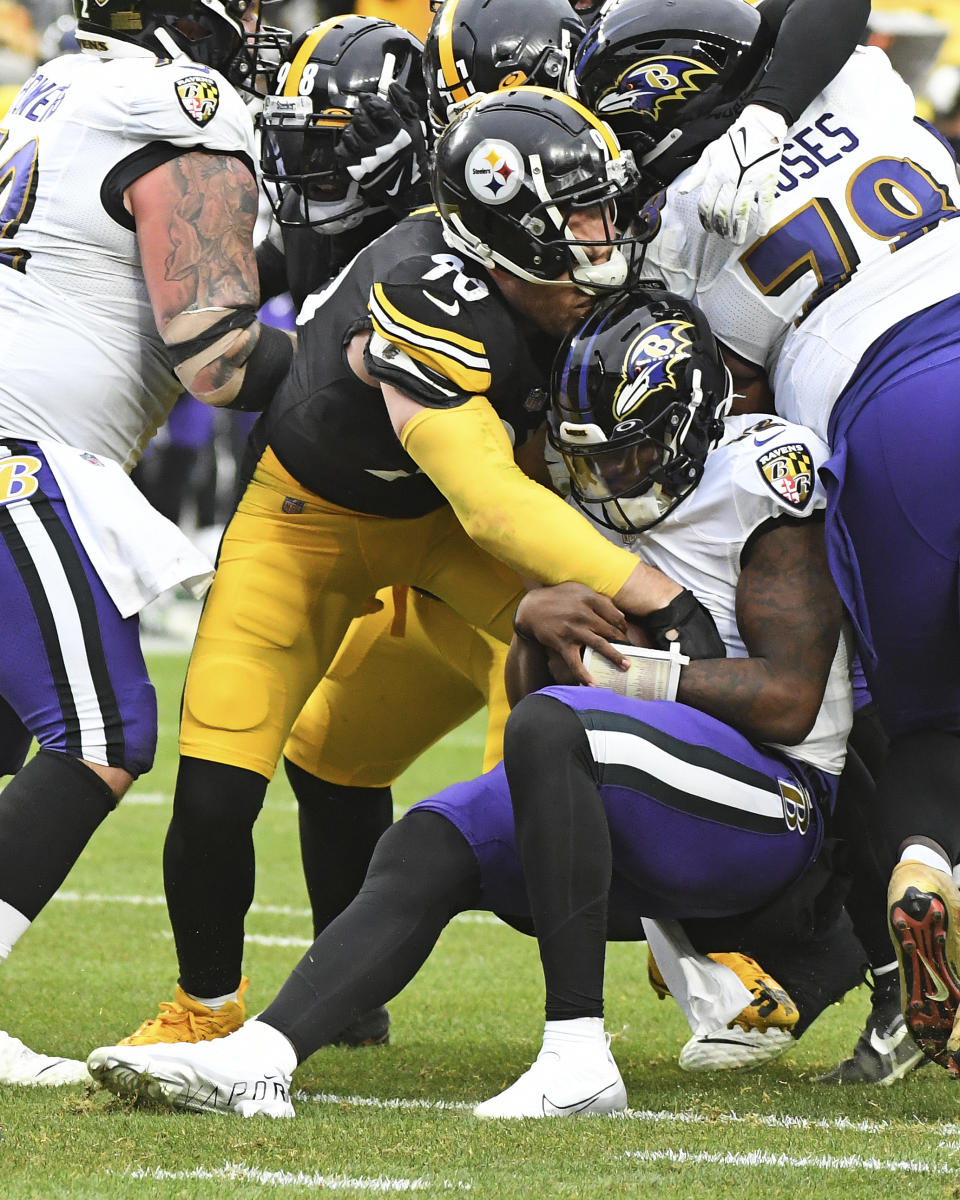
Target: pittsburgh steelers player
(390,460)
(702,790)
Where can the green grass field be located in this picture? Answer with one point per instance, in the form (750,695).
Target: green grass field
(396,1118)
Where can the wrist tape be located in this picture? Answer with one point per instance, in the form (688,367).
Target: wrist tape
(653,674)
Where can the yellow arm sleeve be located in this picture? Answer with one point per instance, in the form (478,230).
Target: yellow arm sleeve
(467,454)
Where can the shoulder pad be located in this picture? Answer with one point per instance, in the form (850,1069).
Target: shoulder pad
(440,316)
(182,103)
(777,463)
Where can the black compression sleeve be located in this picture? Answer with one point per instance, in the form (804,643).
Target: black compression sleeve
(814,38)
(266,367)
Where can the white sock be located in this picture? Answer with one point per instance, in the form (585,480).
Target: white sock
(214,1002)
(13,925)
(262,1040)
(575,1036)
(916,852)
(876,972)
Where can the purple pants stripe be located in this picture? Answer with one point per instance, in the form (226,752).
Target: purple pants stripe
(72,670)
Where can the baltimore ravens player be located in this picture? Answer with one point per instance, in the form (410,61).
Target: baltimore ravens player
(849,304)
(714,776)
(128,197)
(390,460)
(799,49)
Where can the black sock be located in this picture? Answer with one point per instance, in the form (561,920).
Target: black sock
(854,822)
(209,871)
(918,793)
(423,872)
(564,845)
(339,827)
(48,813)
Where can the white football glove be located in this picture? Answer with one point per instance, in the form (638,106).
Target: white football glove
(736,175)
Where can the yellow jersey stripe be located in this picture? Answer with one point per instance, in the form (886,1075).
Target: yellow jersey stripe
(467,380)
(431,331)
(291,85)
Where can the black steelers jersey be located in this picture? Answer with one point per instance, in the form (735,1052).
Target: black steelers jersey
(440,332)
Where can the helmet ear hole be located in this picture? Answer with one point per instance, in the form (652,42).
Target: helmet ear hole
(638,395)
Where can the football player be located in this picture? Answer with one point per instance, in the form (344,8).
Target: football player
(850,306)
(473,47)
(711,780)
(390,459)
(799,49)
(128,199)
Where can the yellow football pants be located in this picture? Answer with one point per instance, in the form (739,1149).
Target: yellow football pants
(293,572)
(403,678)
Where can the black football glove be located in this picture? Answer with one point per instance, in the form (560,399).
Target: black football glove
(384,149)
(697,633)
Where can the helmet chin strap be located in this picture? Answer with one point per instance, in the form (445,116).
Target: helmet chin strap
(167,42)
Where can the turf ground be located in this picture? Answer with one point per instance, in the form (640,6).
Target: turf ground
(396,1119)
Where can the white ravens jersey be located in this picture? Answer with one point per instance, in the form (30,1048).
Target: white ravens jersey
(863,236)
(763,469)
(82,361)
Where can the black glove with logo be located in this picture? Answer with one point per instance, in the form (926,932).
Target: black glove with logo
(384,148)
(691,625)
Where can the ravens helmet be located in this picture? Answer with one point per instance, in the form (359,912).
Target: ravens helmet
(511,171)
(318,85)
(223,34)
(479,46)
(638,397)
(670,78)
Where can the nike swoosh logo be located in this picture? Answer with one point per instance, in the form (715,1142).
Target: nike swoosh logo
(941,992)
(887,1045)
(453,309)
(396,188)
(390,476)
(763,441)
(558,1110)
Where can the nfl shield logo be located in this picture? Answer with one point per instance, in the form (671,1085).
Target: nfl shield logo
(199,98)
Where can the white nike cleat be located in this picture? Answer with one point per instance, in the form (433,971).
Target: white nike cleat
(572,1085)
(24,1067)
(734,1049)
(231,1075)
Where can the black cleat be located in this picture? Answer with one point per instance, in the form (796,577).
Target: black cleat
(885,1051)
(369,1029)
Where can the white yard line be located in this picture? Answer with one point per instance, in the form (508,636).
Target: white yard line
(240,1173)
(761,1158)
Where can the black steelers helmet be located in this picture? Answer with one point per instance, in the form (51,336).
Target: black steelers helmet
(318,85)
(209,32)
(670,76)
(637,400)
(479,46)
(511,172)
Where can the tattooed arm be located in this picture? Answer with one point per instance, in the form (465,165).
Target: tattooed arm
(194,217)
(788,613)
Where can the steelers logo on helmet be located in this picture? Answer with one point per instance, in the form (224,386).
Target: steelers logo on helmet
(494,171)
(653,82)
(651,365)
(788,471)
